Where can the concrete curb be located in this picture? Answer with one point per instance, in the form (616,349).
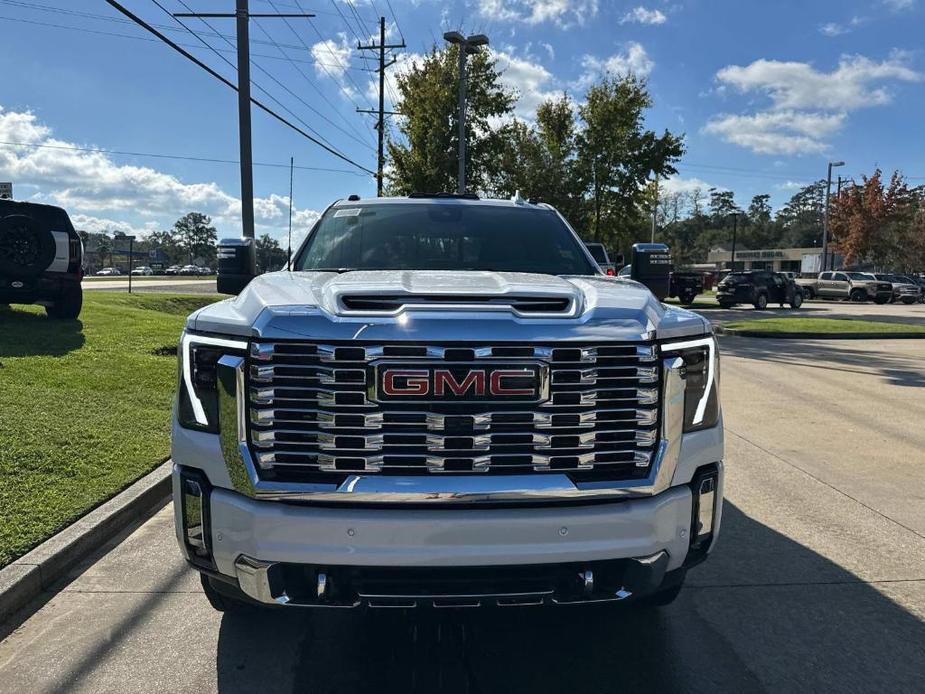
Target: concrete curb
(29,575)
(719,330)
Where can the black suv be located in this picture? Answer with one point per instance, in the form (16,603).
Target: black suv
(759,288)
(41,258)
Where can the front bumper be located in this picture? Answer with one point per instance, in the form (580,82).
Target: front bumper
(279,553)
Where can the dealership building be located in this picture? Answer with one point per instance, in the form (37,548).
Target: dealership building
(805,260)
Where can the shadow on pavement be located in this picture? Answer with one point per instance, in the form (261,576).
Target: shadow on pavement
(25,334)
(900,368)
(765,614)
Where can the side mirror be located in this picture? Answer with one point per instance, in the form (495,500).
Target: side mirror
(652,267)
(237,265)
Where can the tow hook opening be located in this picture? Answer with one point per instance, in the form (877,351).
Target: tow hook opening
(704,488)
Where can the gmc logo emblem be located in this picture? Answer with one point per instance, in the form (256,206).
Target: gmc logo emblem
(460,382)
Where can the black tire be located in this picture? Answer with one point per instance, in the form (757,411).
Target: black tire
(808,293)
(220,600)
(687,299)
(797,300)
(761,301)
(880,300)
(68,305)
(908,300)
(726,304)
(857,295)
(26,249)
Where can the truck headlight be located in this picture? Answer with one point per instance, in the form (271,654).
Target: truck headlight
(197,403)
(701,379)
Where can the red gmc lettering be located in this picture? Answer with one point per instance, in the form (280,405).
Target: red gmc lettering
(444,379)
(416,383)
(497,383)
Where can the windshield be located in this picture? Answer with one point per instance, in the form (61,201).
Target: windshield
(442,236)
(737,279)
(859,276)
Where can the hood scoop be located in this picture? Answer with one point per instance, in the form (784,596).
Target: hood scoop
(536,306)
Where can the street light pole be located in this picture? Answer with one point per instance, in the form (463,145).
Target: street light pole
(735,230)
(825,218)
(655,209)
(467,45)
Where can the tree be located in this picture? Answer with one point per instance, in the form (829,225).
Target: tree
(877,223)
(196,235)
(425,158)
(168,244)
(801,217)
(270,256)
(616,155)
(104,248)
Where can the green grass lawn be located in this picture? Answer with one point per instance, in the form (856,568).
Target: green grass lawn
(822,325)
(84,407)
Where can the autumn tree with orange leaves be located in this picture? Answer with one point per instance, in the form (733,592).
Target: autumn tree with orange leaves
(880,224)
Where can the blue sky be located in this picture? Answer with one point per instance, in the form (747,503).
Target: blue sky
(765,92)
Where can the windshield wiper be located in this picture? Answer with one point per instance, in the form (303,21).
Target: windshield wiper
(328,269)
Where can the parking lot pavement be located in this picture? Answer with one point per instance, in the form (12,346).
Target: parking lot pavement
(888,313)
(167,284)
(817,584)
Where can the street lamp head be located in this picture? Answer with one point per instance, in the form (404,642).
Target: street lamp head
(836,163)
(454,37)
(477,40)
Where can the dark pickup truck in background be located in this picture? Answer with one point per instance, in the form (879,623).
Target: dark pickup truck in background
(685,286)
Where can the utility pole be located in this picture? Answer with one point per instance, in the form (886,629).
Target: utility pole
(825,218)
(468,45)
(242,17)
(380,124)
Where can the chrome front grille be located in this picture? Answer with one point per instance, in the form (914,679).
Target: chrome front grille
(311,414)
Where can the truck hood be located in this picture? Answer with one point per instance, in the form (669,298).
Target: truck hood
(445,306)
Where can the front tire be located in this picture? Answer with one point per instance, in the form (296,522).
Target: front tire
(797,301)
(220,600)
(761,302)
(908,300)
(880,300)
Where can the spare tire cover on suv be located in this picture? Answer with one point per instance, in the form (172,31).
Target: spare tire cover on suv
(27,246)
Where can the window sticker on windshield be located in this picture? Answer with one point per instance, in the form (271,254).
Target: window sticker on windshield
(348,212)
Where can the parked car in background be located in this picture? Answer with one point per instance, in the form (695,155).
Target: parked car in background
(759,288)
(904,288)
(599,253)
(685,286)
(853,286)
(41,258)
(142,271)
(108,272)
(172,270)
(188,270)
(204,270)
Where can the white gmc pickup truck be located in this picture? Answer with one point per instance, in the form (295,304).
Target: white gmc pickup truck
(445,403)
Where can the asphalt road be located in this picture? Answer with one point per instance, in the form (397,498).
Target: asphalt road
(182,285)
(889,313)
(817,585)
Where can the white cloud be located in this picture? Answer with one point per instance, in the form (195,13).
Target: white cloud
(899,5)
(800,85)
(807,105)
(632,60)
(563,13)
(101,194)
(332,58)
(683,185)
(531,81)
(643,15)
(833,29)
(792,185)
(777,132)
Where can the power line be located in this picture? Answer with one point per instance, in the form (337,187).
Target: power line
(272,77)
(119,20)
(189,56)
(305,45)
(314,86)
(208,160)
(401,34)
